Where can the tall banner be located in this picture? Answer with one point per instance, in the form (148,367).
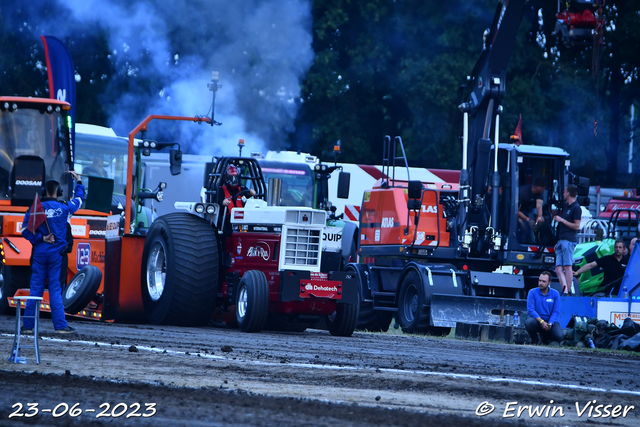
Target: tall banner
(62,83)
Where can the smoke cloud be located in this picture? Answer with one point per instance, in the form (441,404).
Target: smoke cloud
(164,53)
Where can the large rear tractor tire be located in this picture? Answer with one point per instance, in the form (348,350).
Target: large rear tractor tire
(368,319)
(343,322)
(180,270)
(252,301)
(413,316)
(81,289)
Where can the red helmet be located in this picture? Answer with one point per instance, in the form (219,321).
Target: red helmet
(232,177)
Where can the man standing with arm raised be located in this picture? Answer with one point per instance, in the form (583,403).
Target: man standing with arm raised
(48,238)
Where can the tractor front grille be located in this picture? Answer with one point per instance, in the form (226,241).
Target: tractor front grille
(302,247)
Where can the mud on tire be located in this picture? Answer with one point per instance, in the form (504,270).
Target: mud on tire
(252,301)
(179,270)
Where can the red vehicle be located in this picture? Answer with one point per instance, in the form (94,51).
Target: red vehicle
(618,203)
(265,263)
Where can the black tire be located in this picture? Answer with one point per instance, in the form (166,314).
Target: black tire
(82,288)
(179,276)
(252,301)
(14,278)
(343,322)
(412,316)
(368,319)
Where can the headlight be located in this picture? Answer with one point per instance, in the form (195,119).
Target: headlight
(159,196)
(549,259)
(211,209)
(199,208)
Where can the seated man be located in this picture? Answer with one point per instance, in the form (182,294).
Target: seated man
(613,265)
(231,189)
(543,306)
(96,168)
(529,204)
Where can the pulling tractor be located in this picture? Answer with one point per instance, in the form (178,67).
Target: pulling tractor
(261,262)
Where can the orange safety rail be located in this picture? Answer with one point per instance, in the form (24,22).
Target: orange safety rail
(142,127)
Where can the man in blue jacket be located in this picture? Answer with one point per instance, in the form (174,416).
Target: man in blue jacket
(543,305)
(48,243)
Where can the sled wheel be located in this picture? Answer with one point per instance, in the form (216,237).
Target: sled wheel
(252,301)
(413,317)
(343,321)
(179,270)
(81,289)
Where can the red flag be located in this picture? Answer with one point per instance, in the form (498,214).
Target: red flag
(517,135)
(37,217)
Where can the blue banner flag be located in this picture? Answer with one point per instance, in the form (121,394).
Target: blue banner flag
(62,82)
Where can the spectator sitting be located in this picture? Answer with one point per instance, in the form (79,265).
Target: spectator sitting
(543,306)
(613,265)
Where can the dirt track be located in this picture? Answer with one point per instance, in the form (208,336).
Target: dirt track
(209,376)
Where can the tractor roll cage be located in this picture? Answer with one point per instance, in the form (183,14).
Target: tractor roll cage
(250,173)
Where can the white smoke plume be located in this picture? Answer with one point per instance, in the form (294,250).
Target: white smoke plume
(261,49)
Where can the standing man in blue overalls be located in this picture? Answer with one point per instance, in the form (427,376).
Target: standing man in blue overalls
(49,240)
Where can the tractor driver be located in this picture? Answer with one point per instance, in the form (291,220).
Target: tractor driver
(231,188)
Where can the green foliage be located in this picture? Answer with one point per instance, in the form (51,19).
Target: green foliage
(394,67)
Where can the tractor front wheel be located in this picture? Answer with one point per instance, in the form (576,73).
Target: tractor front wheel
(252,301)
(343,322)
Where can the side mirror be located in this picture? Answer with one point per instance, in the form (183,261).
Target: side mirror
(344,181)
(175,161)
(582,185)
(415,190)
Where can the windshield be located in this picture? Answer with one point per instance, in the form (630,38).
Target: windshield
(28,132)
(297,182)
(102,156)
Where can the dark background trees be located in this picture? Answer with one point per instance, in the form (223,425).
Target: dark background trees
(381,67)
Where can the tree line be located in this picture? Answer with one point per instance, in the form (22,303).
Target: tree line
(385,67)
